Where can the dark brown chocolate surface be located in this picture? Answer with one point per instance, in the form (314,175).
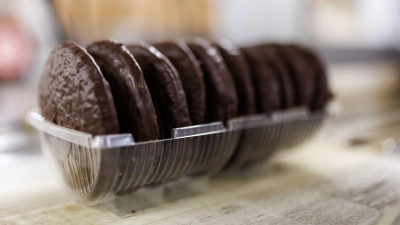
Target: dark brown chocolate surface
(191,77)
(321,93)
(266,84)
(274,59)
(132,99)
(165,88)
(221,97)
(303,75)
(240,71)
(74,94)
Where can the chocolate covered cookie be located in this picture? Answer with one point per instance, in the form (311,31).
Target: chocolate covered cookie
(132,99)
(166,89)
(275,60)
(221,97)
(266,84)
(321,91)
(240,72)
(303,76)
(74,94)
(191,77)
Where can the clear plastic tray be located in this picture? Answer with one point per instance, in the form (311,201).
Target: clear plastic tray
(262,136)
(126,176)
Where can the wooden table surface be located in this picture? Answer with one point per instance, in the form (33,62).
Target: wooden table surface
(319,173)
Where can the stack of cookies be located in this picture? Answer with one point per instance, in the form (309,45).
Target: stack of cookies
(148,90)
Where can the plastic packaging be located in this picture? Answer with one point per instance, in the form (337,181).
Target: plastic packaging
(262,136)
(126,176)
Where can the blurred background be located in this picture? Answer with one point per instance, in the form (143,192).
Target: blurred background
(359,41)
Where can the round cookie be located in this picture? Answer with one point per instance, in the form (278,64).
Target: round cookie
(165,87)
(240,71)
(266,84)
(274,59)
(221,97)
(302,73)
(321,92)
(132,99)
(190,74)
(74,94)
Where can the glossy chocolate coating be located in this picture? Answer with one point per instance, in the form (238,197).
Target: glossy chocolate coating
(303,76)
(221,96)
(191,77)
(240,71)
(273,56)
(266,84)
(321,92)
(165,88)
(132,99)
(74,94)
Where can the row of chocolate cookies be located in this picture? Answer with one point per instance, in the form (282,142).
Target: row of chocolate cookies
(110,88)
(272,77)
(147,91)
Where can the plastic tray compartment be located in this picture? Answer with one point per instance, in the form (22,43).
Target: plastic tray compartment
(263,135)
(126,176)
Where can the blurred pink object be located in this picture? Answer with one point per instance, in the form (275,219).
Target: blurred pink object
(15,51)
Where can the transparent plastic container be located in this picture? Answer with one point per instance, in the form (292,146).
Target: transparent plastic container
(126,176)
(263,135)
